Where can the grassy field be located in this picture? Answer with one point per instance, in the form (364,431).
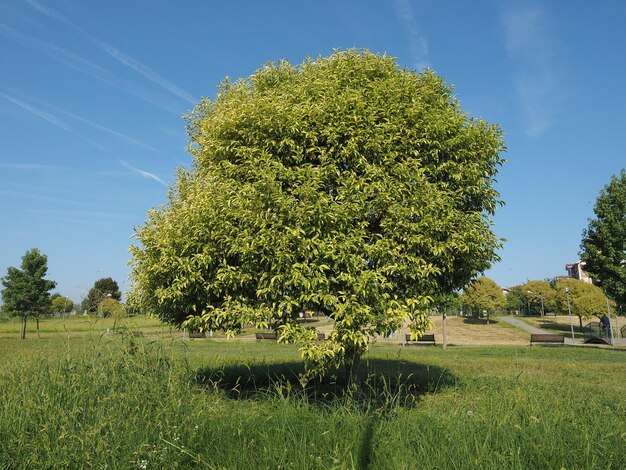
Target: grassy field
(84,399)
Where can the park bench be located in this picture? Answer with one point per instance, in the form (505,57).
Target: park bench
(260,336)
(197,334)
(547,338)
(429,339)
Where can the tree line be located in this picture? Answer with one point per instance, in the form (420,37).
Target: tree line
(26,294)
(556,296)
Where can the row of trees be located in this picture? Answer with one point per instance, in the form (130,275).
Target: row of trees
(26,293)
(536,297)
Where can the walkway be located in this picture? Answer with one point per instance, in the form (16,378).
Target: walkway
(531,329)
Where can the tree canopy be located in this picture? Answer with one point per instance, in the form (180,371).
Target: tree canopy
(61,304)
(26,291)
(483,294)
(345,185)
(586,300)
(102,289)
(604,241)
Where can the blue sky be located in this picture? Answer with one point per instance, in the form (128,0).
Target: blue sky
(92,96)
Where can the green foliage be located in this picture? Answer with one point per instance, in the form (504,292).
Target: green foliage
(112,308)
(586,300)
(515,299)
(604,241)
(102,289)
(61,304)
(483,294)
(345,185)
(26,292)
(535,291)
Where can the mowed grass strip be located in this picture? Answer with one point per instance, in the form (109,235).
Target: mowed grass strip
(123,402)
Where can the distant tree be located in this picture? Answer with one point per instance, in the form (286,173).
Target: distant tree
(537,292)
(604,241)
(26,292)
(102,289)
(110,307)
(61,304)
(483,294)
(515,299)
(346,185)
(586,300)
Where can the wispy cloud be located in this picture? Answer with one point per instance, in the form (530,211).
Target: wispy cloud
(143,173)
(37,112)
(95,125)
(531,49)
(28,167)
(86,67)
(118,55)
(56,121)
(417,41)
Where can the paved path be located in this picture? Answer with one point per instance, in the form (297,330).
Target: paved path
(531,329)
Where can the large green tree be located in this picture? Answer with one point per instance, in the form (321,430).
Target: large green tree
(604,241)
(26,291)
(345,185)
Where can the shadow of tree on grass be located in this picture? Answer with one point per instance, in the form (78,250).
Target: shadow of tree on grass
(479,321)
(383,381)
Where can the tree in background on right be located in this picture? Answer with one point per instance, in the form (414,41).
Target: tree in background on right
(603,248)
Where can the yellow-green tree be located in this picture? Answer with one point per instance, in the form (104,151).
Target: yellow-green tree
(483,294)
(345,185)
(586,300)
(538,292)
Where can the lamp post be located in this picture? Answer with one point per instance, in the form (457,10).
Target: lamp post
(569,309)
(543,314)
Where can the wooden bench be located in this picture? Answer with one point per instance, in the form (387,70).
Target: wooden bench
(430,339)
(197,334)
(547,338)
(260,336)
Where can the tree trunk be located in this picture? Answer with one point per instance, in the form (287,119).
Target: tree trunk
(23,328)
(353,361)
(37,321)
(580,319)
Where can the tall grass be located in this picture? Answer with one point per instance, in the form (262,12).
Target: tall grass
(122,402)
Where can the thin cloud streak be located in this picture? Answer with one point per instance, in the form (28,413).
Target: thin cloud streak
(118,55)
(417,42)
(143,173)
(84,66)
(37,112)
(530,48)
(108,130)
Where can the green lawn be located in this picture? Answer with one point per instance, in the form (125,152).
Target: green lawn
(114,401)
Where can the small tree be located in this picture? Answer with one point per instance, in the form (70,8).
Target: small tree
(515,299)
(483,294)
(604,241)
(346,185)
(110,307)
(61,304)
(538,293)
(26,292)
(102,289)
